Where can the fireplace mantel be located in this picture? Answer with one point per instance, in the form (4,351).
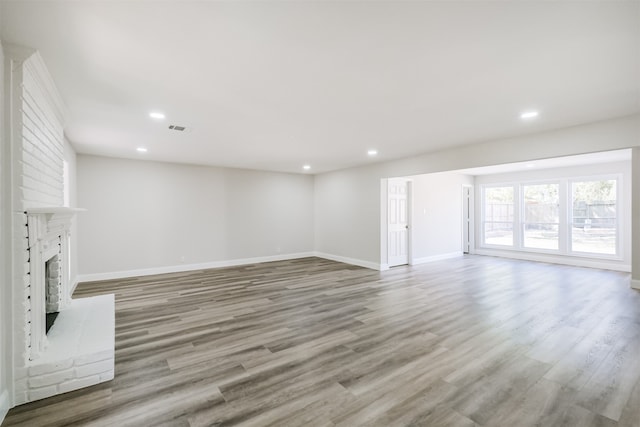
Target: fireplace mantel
(54,211)
(50,220)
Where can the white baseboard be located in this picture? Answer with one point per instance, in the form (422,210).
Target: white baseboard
(635,284)
(438,257)
(74,284)
(352,261)
(576,262)
(94,277)
(4,405)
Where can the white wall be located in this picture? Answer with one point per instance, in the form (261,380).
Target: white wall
(347,202)
(147,215)
(70,158)
(347,214)
(635,218)
(437,215)
(5,259)
(621,168)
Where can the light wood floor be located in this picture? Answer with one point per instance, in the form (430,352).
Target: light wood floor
(470,341)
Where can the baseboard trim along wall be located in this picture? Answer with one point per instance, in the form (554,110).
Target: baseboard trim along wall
(74,284)
(438,257)
(95,277)
(635,284)
(347,260)
(576,262)
(4,405)
(353,261)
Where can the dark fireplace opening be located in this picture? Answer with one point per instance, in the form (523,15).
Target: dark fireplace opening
(51,317)
(52,290)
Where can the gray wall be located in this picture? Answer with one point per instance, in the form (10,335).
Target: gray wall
(145,215)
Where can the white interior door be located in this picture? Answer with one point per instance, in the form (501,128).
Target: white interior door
(466,219)
(398,222)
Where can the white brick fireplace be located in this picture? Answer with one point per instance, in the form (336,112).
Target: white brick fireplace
(78,350)
(48,231)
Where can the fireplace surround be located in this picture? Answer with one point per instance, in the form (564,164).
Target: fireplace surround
(48,231)
(78,351)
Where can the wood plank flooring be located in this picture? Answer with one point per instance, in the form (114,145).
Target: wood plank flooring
(474,341)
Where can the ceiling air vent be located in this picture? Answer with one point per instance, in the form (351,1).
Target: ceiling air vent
(176,127)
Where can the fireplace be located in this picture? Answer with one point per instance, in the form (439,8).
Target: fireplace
(48,231)
(77,349)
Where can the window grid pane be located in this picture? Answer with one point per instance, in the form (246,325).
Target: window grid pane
(498,233)
(594,223)
(499,216)
(541,216)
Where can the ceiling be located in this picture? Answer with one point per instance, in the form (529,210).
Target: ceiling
(274,85)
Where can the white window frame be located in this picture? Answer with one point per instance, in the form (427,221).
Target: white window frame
(483,218)
(619,213)
(565,198)
(522,220)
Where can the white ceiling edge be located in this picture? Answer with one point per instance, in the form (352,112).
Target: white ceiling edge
(551,163)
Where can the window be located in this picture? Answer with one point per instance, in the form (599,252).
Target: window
(594,224)
(541,214)
(576,217)
(498,216)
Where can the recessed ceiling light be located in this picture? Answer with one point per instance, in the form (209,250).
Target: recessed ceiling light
(157,115)
(306,167)
(529,115)
(141,150)
(372,152)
